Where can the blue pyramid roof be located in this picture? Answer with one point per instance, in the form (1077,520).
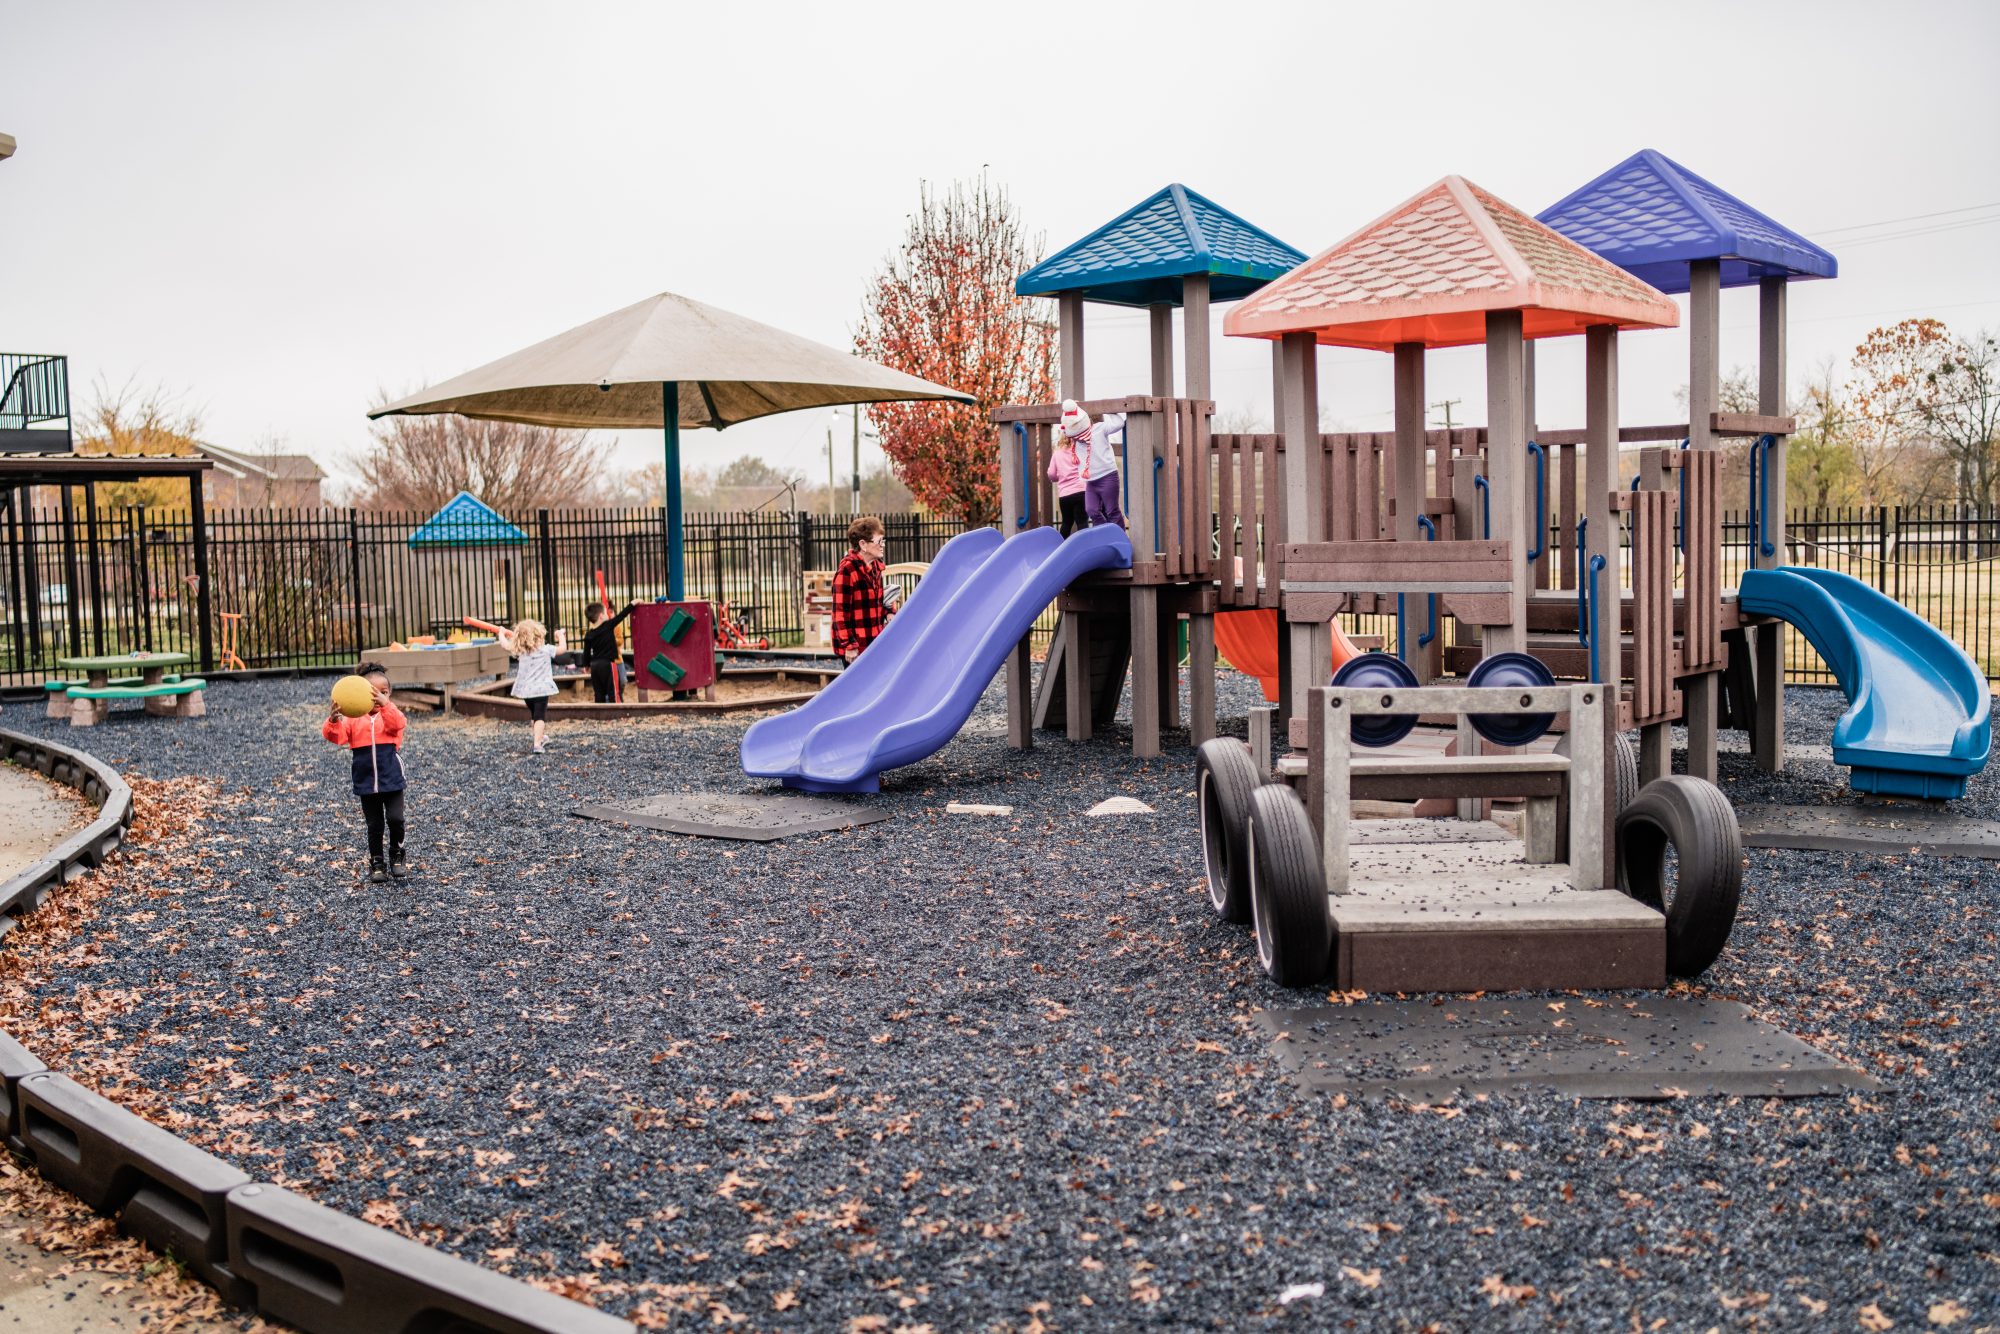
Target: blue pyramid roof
(1653,217)
(1140,256)
(467,521)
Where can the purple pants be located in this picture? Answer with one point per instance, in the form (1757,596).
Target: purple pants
(1100,500)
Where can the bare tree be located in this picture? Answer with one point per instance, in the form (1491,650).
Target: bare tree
(131,420)
(419,463)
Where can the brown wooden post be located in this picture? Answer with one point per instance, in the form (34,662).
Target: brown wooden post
(1161,320)
(1600,424)
(1201,679)
(1013,495)
(1545,470)
(1145,671)
(1194,330)
(1704,393)
(1507,469)
(1075,631)
(1767,734)
(1311,655)
(1410,489)
(1021,695)
(1069,331)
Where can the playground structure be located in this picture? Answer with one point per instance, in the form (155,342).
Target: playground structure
(1506,537)
(1481,541)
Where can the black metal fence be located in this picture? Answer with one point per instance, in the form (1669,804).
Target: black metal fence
(311,588)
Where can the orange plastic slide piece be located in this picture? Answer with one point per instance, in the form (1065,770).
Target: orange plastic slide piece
(1248,640)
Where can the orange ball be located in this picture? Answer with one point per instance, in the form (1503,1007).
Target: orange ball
(353,696)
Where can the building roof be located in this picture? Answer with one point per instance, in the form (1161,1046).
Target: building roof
(1140,256)
(274,467)
(1430,269)
(56,469)
(1653,218)
(466,521)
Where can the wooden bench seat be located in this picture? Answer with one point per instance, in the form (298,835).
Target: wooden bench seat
(58,691)
(179,698)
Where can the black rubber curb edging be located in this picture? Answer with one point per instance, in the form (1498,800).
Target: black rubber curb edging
(260,1246)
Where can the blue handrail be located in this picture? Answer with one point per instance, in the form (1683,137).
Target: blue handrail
(1430,535)
(1586,597)
(1485,506)
(1582,602)
(1597,567)
(1541,501)
(1125,470)
(1027,480)
(1760,495)
(1157,465)
(1680,519)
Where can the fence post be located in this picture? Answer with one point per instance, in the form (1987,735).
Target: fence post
(805,543)
(546,557)
(204,598)
(354,574)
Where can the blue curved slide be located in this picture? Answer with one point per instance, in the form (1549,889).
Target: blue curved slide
(917,684)
(1918,719)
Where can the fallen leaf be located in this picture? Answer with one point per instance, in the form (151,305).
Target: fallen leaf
(1369,1279)
(1871,1317)
(1947,1313)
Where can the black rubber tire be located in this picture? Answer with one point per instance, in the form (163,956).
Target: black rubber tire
(1627,764)
(1224,778)
(1694,817)
(1292,920)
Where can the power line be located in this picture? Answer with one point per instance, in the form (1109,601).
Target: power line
(1914,217)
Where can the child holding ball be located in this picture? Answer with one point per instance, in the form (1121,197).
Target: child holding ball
(375,741)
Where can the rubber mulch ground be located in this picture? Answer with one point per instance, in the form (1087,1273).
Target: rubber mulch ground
(977,1072)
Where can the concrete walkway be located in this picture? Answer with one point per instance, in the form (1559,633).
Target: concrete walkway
(40,814)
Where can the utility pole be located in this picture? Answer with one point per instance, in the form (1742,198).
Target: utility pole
(854,491)
(1448,404)
(829,469)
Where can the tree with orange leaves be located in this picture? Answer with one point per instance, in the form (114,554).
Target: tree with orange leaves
(1918,383)
(943,309)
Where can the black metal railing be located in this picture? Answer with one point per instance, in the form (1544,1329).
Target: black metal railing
(34,390)
(312,588)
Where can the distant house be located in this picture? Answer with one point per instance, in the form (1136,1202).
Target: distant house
(255,480)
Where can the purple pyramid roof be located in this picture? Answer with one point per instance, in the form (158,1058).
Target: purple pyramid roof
(1653,217)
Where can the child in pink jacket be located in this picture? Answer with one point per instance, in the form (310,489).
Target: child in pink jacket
(1066,471)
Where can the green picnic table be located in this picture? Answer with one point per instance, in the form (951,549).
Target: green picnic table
(99,670)
(88,703)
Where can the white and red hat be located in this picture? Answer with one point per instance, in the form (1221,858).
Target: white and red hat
(1075,421)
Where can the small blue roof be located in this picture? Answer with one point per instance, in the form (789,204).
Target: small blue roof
(1652,217)
(467,521)
(1140,256)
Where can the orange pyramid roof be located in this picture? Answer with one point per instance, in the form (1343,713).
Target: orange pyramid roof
(1429,270)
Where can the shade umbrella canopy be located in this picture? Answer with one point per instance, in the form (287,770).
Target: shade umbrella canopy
(729,369)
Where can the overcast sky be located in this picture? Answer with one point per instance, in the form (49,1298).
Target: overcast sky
(278,210)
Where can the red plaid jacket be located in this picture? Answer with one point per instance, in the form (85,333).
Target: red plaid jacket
(859,610)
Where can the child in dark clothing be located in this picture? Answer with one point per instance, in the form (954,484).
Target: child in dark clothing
(375,742)
(600,648)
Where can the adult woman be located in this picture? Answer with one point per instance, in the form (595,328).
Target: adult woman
(859,608)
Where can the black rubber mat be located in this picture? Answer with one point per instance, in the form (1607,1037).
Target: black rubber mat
(1869,827)
(749,818)
(1578,1048)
